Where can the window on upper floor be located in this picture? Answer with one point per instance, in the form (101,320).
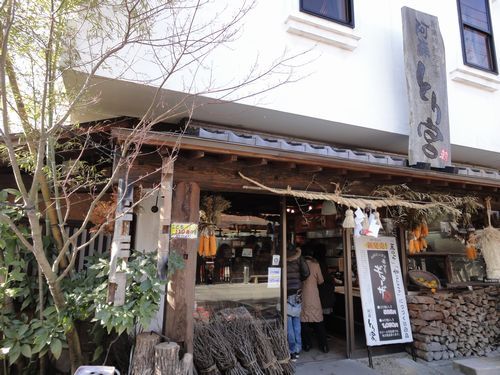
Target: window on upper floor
(477,36)
(340,11)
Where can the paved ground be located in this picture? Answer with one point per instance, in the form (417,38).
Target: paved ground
(393,364)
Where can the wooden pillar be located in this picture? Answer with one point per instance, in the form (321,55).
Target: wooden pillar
(402,252)
(180,289)
(166,184)
(284,279)
(348,295)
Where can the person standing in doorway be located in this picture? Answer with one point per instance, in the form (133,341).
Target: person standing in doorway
(312,313)
(296,272)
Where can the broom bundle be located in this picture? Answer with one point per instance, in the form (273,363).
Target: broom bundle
(237,332)
(202,356)
(264,350)
(222,351)
(279,342)
(489,241)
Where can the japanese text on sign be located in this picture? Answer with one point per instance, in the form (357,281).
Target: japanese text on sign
(184,230)
(383,298)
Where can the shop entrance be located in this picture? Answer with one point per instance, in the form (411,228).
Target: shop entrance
(241,264)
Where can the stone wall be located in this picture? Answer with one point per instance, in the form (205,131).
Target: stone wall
(455,324)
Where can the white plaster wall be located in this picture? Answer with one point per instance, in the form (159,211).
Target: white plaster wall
(146,240)
(365,87)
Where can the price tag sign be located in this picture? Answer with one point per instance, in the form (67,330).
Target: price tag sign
(184,230)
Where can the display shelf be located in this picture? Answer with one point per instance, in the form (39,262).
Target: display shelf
(435,254)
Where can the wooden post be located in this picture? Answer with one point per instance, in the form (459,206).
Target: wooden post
(402,252)
(180,289)
(167,172)
(167,360)
(144,354)
(348,297)
(284,277)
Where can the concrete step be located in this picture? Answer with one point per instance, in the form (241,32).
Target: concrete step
(478,366)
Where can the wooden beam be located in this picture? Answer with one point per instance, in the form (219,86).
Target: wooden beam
(440,183)
(256,162)
(180,292)
(195,154)
(284,165)
(227,158)
(384,177)
(309,168)
(359,175)
(248,151)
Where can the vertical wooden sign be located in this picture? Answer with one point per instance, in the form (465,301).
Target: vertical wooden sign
(120,246)
(425,68)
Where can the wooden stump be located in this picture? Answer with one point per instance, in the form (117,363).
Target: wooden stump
(167,360)
(143,362)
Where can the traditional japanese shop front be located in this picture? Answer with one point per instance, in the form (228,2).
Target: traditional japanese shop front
(239,257)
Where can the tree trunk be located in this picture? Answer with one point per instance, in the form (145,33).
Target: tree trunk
(75,351)
(167,360)
(143,362)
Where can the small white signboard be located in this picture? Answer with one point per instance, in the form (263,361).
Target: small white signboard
(247,252)
(273,277)
(276,260)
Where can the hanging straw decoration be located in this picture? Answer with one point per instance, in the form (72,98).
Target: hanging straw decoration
(376,202)
(349,219)
(489,241)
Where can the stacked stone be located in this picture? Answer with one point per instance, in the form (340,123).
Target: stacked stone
(455,324)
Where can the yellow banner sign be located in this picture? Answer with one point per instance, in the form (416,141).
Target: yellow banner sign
(184,230)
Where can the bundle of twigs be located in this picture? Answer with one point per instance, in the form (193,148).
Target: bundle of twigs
(279,342)
(212,206)
(433,206)
(202,354)
(489,241)
(103,214)
(263,349)
(237,332)
(221,350)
